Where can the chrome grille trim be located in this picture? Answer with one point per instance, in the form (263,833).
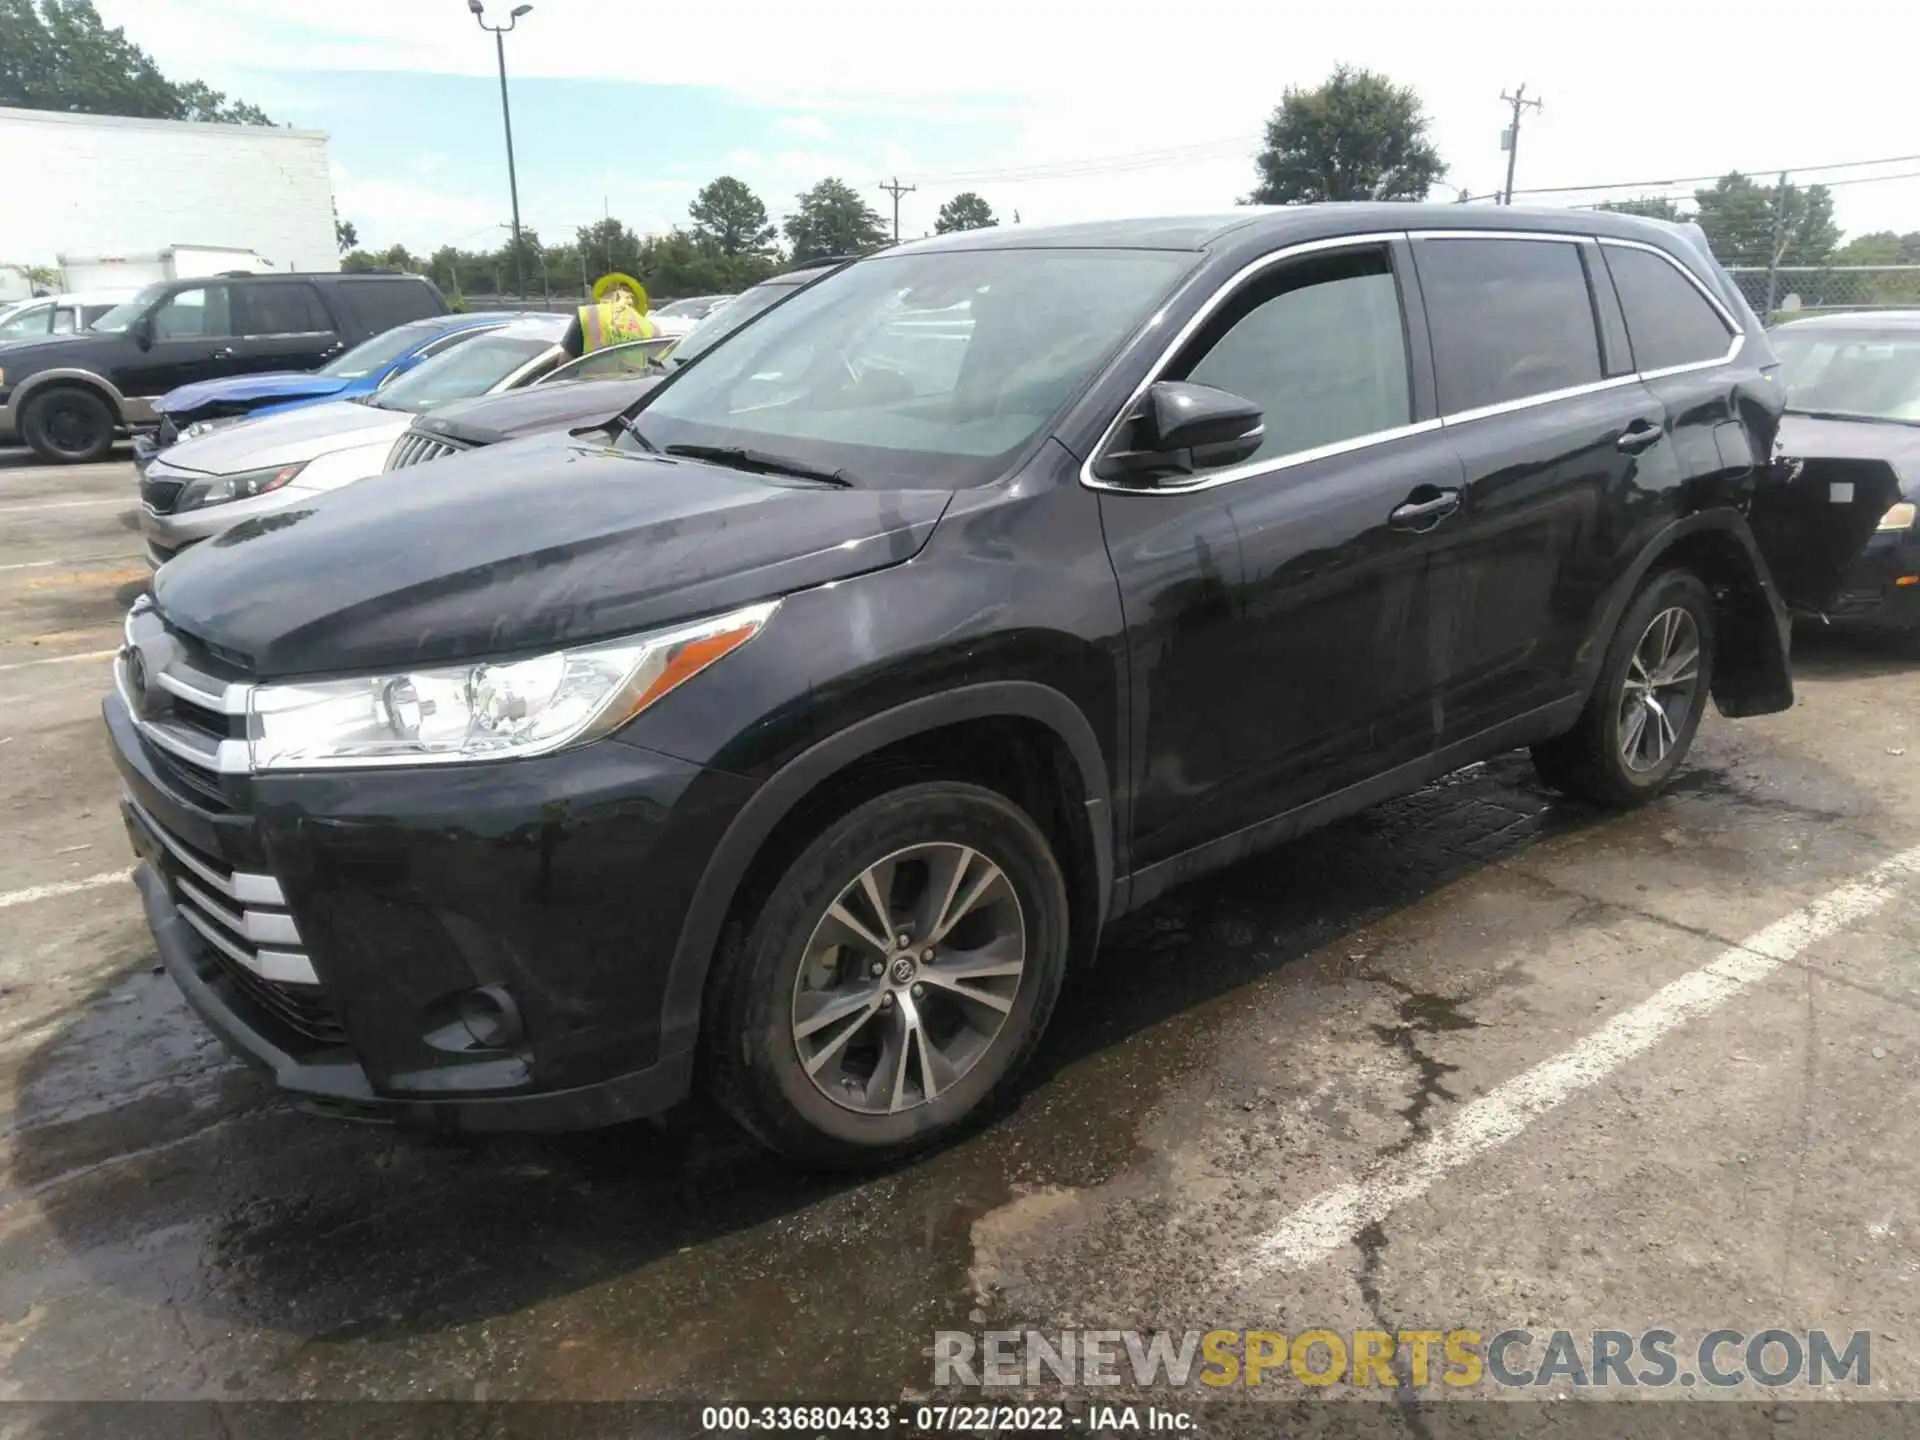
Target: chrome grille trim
(414,448)
(280,967)
(187,683)
(237,885)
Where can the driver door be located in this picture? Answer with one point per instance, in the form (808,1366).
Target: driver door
(192,340)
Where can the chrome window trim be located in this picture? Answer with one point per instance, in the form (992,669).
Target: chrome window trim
(1213,302)
(1385,437)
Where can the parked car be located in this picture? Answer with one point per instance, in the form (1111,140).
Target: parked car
(798,736)
(678,317)
(197,488)
(465,425)
(56,314)
(1852,431)
(70,395)
(368,367)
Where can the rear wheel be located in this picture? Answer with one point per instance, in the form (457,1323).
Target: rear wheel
(896,980)
(68,425)
(1652,691)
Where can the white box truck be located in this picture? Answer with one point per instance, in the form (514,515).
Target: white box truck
(107,186)
(176,262)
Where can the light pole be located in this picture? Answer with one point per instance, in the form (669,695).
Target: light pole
(506,114)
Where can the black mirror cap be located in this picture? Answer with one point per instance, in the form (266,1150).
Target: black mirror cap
(1180,428)
(143,332)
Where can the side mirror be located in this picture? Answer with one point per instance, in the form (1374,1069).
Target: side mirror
(143,332)
(1179,429)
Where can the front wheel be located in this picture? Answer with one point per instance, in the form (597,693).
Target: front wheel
(896,980)
(67,425)
(1652,691)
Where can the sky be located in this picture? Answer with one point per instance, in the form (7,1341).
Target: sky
(1059,110)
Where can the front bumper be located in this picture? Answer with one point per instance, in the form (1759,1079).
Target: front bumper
(1870,595)
(561,880)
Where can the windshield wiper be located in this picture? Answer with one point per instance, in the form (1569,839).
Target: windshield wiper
(737,457)
(1851,415)
(619,421)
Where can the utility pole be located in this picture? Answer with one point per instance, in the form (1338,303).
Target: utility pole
(1775,248)
(500,32)
(1510,140)
(896,189)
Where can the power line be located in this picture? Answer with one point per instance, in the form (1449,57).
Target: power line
(1706,179)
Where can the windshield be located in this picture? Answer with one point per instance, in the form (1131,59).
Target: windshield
(120,319)
(474,368)
(726,318)
(923,369)
(377,353)
(1874,375)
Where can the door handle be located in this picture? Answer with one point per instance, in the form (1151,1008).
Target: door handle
(225,352)
(1420,514)
(1640,435)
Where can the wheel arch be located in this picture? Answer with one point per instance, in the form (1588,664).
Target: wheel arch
(1752,675)
(25,392)
(826,769)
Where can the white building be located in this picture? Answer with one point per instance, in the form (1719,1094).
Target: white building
(104,185)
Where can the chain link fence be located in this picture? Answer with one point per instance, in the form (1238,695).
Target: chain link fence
(1783,291)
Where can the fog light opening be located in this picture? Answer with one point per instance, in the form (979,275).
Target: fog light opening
(491,1017)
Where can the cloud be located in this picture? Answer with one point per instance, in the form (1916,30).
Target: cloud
(811,127)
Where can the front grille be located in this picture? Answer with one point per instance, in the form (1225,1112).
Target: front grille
(417,449)
(160,496)
(186,705)
(245,928)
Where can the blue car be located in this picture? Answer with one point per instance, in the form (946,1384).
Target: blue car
(368,367)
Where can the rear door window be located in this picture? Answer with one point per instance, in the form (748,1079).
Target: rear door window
(281,309)
(1669,322)
(1320,346)
(1510,319)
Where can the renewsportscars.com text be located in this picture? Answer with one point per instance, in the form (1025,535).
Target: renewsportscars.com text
(1460,1358)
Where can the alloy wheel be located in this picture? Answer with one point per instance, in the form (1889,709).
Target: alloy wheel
(1660,689)
(908,978)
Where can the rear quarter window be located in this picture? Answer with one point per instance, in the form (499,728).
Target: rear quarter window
(378,303)
(1669,322)
(1510,319)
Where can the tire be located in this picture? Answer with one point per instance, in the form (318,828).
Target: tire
(1611,757)
(68,425)
(779,985)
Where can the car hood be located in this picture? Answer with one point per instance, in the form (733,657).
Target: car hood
(42,353)
(521,548)
(241,389)
(489,419)
(1805,437)
(286,439)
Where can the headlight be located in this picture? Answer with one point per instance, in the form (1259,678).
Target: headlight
(244,486)
(1899,517)
(489,710)
(207,427)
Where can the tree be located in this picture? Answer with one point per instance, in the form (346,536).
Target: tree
(609,246)
(61,56)
(730,218)
(966,211)
(1738,216)
(832,219)
(1654,207)
(344,235)
(1357,137)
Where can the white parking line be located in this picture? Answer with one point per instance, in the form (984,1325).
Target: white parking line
(57,660)
(125,502)
(83,560)
(1336,1216)
(62,887)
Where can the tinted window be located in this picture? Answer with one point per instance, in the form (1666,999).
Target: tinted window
(1510,319)
(192,314)
(1320,348)
(380,304)
(730,316)
(89,314)
(1668,320)
(281,310)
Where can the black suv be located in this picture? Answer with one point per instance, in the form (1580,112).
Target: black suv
(796,738)
(70,395)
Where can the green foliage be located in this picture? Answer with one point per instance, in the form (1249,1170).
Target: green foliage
(832,219)
(1357,137)
(730,218)
(344,235)
(1738,216)
(1654,207)
(965,211)
(61,56)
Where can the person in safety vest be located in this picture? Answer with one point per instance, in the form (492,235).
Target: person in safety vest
(617,315)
